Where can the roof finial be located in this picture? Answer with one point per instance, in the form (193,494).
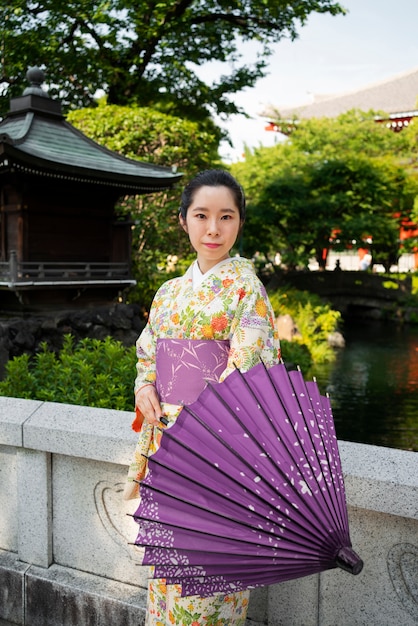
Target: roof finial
(36,77)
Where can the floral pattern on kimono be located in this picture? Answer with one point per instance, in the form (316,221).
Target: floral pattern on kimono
(231,303)
(166,607)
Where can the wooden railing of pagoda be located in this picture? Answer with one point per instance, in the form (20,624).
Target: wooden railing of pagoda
(14,272)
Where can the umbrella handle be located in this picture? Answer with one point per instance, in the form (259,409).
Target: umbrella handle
(349,560)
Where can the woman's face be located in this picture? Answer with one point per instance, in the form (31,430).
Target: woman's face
(212,223)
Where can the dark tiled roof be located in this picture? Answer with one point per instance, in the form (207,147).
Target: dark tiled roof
(34,137)
(394,95)
(58,147)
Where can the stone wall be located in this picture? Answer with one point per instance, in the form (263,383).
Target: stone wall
(65,531)
(24,334)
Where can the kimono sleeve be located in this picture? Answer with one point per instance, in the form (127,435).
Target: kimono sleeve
(145,368)
(253,332)
(145,352)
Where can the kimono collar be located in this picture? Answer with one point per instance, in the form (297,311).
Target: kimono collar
(198,277)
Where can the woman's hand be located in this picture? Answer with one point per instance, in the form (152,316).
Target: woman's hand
(148,402)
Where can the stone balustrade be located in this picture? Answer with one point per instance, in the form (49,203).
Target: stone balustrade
(65,531)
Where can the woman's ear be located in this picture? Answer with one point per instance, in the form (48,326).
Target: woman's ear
(183,223)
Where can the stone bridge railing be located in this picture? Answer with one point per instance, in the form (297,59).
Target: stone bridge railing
(380,295)
(65,556)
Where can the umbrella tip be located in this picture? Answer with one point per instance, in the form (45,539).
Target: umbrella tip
(349,561)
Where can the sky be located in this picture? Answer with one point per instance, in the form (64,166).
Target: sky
(376,40)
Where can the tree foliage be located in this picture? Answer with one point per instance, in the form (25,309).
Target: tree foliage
(146,52)
(333,182)
(153,137)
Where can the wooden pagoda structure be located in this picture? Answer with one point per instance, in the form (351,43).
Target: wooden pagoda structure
(61,242)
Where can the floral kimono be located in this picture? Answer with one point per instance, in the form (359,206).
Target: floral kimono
(229,306)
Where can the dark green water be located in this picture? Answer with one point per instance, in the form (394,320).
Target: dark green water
(373,385)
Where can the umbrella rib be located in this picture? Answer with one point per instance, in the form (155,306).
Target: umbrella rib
(268,533)
(168,525)
(244,461)
(332,510)
(301,447)
(335,476)
(277,467)
(153,459)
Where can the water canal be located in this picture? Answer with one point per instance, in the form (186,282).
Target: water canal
(373,385)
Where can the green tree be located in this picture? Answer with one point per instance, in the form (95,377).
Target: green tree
(145,52)
(361,198)
(355,131)
(347,176)
(380,183)
(411,135)
(154,137)
(273,183)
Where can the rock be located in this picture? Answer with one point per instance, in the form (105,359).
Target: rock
(286,327)
(336,340)
(123,322)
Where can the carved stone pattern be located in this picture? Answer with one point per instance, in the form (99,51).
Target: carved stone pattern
(402,564)
(108,502)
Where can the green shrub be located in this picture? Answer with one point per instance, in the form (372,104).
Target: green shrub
(295,354)
(314,320)
(98,373)
(390,284)
(415,284)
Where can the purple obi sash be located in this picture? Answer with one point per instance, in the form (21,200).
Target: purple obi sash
(185,366)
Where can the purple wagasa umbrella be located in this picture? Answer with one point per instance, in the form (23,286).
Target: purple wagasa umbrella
(247,488)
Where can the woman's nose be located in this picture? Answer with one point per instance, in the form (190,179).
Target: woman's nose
(213,227)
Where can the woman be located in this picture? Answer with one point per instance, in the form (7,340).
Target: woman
(201,327)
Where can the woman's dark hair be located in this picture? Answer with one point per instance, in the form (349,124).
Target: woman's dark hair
(213,178)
